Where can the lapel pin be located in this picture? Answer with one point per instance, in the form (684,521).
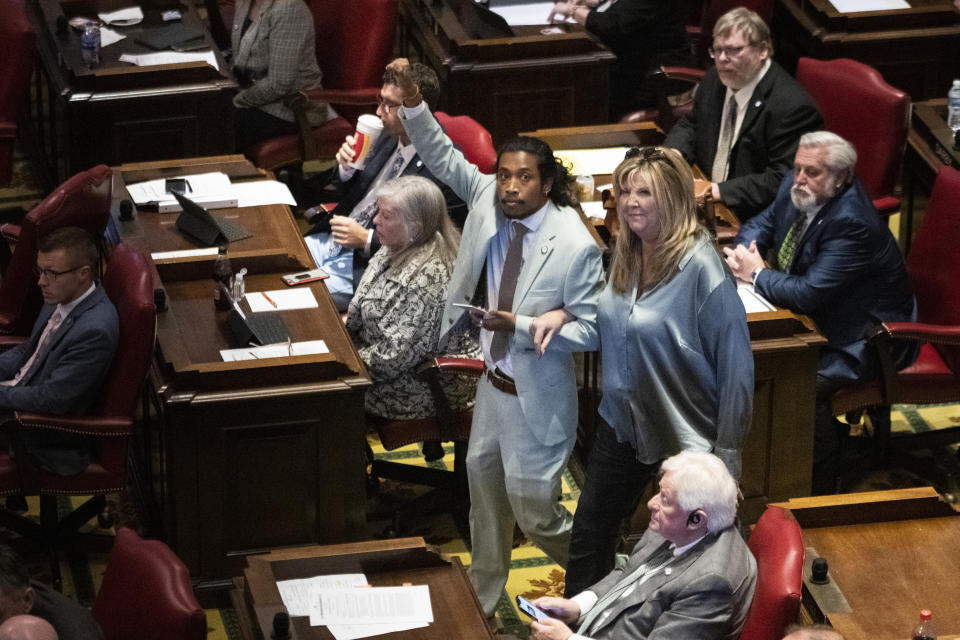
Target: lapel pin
(543,250)
(757,103)
(667,571)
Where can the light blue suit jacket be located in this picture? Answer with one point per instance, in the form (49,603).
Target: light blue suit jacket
(563,271)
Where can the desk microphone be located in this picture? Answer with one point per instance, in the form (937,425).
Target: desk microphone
(818,571)
(281,626)
(126,210)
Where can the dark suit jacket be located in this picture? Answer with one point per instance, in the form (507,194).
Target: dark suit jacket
(351,192)
(643,34)
(847,274)
(71,620)
(66,380)
(703,594)
(780,111)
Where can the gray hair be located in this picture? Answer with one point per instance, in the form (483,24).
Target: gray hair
(702,481)
(747,22)
(841,156)
(423,214)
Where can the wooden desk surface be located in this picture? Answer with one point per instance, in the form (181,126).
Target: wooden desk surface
(890,553)
(457,613)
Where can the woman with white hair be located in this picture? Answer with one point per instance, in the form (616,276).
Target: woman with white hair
(394,317)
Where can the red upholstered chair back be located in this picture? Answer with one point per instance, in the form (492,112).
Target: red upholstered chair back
(82,201)
(354,44)
(859,106)
(933,264)
(472,138)
(17,54)
(146,594)
(128,283)
(777,545)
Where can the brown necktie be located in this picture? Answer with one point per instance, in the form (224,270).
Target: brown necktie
(508,286)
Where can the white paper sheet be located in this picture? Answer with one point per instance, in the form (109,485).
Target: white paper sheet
(125,17)
(298,595)
(286,299)
(261,192)
(372,605)
(184,253)
(109,37)
(170,57)
(202,185)
(522,14)
(354,631)
(594,209)
(305,348)
(752,301)
(857,6)
(592,161)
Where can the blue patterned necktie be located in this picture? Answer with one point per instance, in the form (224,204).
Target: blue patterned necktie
(788,249)
(365,215)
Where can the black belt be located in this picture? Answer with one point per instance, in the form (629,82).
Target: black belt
(501,381)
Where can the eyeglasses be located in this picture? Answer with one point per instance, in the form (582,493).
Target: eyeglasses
(730,52)
(53,275)
(386,105)
(648,154)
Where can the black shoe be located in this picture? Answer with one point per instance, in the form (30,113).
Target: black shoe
(432,450)
(17,504)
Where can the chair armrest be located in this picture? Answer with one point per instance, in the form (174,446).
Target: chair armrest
(10,231)
(9,342)
(467,366)
(920,332)
(100,426)
(692,75)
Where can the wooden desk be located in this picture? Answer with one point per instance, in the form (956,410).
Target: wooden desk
(890,553)
(260,453)
(915,49)
(117,112)
(508,84)
(456,610)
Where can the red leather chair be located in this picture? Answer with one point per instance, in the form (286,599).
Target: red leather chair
(17,54)
(450,488)
(128,283)
(352,53)
(472,138)
(933,266)
(777,545)
(146,594)
(874,117)
(82,201)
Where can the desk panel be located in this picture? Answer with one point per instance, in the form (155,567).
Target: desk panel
(257,453)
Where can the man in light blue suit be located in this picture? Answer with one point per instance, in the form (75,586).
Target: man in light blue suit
(528,258)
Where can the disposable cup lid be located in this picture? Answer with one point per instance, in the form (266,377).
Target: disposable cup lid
(369,124)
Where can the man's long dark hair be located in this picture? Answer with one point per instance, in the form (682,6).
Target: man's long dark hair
(561,193)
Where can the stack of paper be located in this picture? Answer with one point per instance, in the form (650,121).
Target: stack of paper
(752,301)
(213,189)
(350,608)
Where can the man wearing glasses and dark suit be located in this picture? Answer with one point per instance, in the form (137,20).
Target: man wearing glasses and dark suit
(747,116)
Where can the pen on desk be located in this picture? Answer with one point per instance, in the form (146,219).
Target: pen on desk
(264,294)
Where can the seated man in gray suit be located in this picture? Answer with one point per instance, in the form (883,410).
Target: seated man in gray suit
(61,367)
(690,576)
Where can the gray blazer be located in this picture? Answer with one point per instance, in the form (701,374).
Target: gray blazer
(703,594)
(278,53)
(565,271)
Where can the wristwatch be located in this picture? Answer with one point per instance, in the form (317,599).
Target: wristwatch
(754,274)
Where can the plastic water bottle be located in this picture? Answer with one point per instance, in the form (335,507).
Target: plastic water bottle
(924,630)
(953,106)
(90,44)
(222,280)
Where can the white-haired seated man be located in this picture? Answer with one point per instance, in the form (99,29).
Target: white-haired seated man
(690,576)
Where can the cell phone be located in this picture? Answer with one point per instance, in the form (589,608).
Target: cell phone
(469,307)
(304,277)
(527,607)
(177,185)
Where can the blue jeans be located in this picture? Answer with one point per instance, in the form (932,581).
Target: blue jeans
(615,480)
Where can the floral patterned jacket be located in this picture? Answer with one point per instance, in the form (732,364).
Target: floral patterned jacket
(394,320)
